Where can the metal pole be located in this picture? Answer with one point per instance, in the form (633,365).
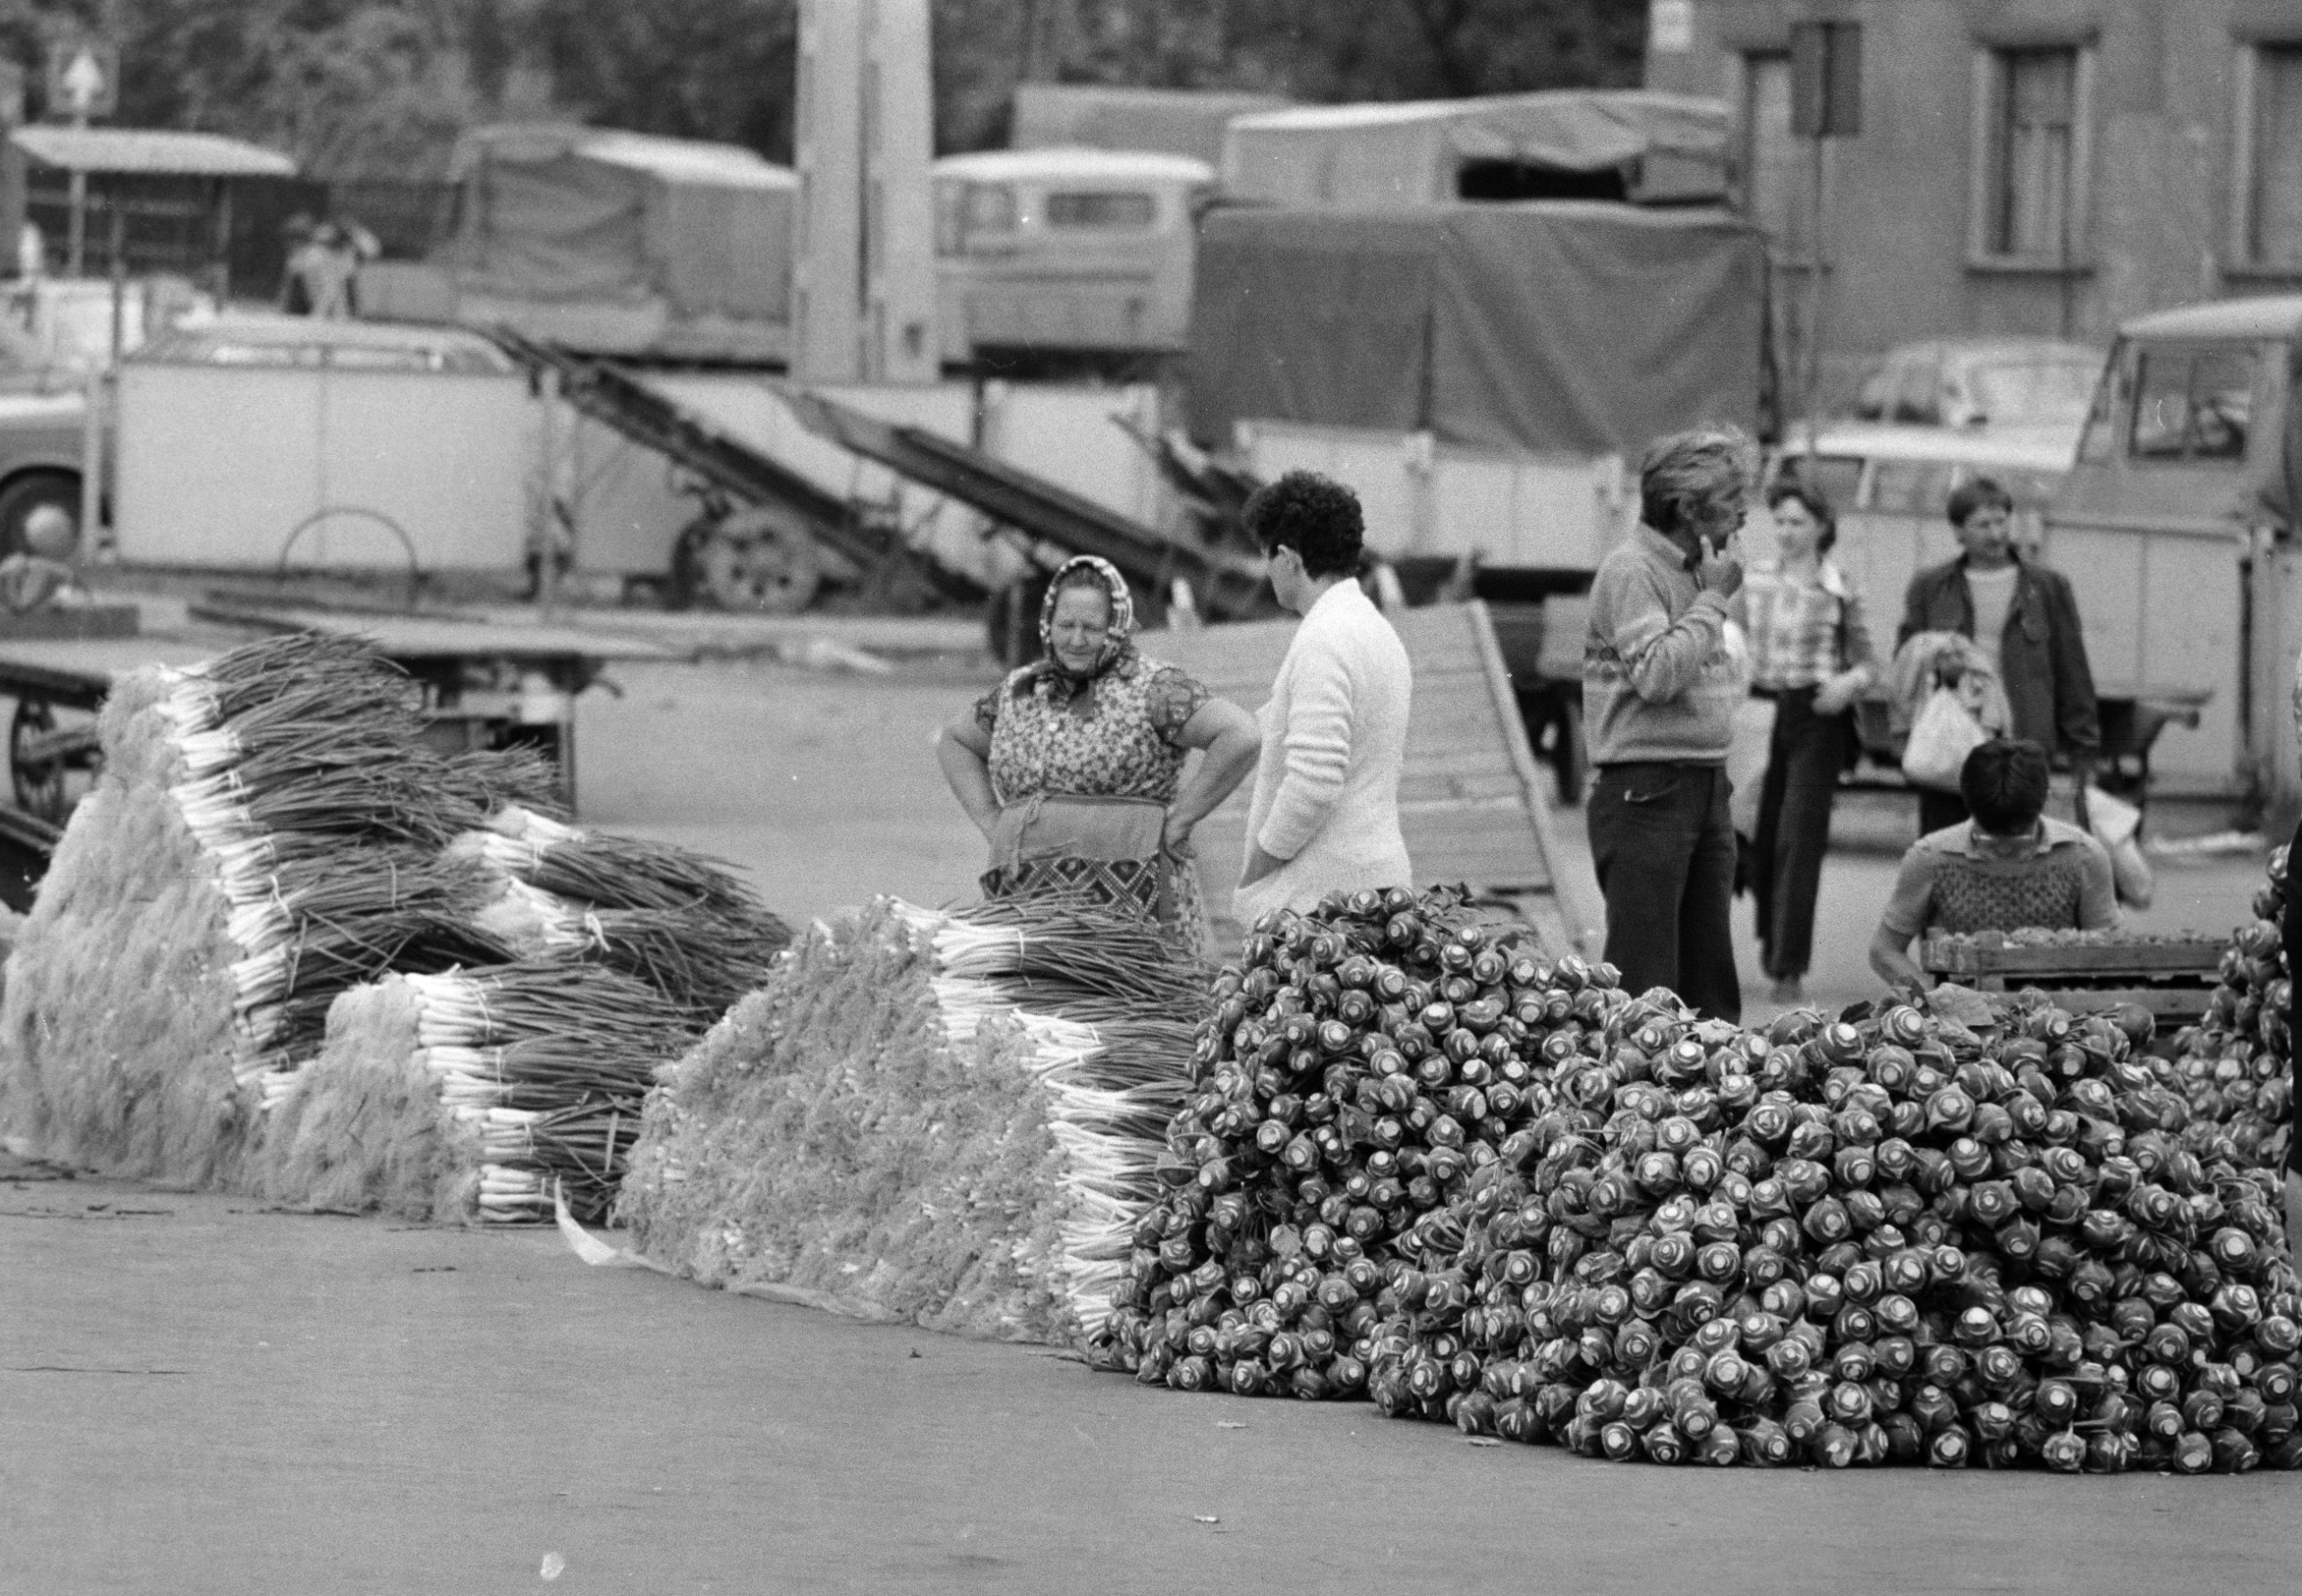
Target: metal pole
(77,255)
(118,279)
(99,395)
(76,250)
(1814,297)
(223,242)
(548,521)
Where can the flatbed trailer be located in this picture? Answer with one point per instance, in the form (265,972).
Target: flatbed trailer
(485,684)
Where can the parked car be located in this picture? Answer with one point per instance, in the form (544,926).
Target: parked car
(2034,387)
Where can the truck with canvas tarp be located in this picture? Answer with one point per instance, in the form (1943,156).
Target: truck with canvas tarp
(609,243)
(1484,376)
(1477,373)
(1631,145)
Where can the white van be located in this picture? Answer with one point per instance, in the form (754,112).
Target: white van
(1081,250)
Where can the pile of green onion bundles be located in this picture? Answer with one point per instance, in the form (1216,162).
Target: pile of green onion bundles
(1422,1164)
(950,1119)
(264,834)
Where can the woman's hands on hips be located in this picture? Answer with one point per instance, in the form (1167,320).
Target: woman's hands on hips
(1174,839)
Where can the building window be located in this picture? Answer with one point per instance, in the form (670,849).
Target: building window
(1772,157)
(2269,230)
(2031,150)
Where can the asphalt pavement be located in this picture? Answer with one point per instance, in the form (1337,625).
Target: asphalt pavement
(198,1394)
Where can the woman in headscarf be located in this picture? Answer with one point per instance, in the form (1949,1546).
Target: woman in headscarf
(1073,767)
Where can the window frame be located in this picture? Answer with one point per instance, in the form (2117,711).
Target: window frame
(2191,354)
(2241,258)
(1993,73)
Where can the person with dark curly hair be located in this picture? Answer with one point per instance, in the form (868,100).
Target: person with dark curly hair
(1325,814)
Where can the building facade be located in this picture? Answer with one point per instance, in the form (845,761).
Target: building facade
(2043,167)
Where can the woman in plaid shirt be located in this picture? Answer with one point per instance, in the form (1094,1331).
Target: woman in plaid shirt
(1811,655)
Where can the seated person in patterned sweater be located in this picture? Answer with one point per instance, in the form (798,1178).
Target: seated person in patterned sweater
(2009,868)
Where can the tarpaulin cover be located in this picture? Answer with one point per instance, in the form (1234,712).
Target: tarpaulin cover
(568,215)
(1109,116)
(1554,327)
(1413,153)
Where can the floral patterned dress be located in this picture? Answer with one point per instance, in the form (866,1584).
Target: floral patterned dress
(1117,738)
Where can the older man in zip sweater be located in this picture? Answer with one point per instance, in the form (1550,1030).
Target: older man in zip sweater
(1325,816)
(1659,691)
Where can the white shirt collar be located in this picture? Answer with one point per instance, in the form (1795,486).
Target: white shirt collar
(1334,596)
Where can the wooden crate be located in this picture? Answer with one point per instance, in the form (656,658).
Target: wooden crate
(2173,980)
(2078,961)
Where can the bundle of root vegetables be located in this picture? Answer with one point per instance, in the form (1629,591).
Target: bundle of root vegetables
(2236,1065)
(948,1119)
(1423,1164)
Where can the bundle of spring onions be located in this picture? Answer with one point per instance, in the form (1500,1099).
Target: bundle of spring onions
(898,1123)
(661,913)
(548,1063)
(306,780)
(1108,1009)
(1423,1163)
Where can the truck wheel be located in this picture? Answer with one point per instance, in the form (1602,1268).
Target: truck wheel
(745,562)
(39,513)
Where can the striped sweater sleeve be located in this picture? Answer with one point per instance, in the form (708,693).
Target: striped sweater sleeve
(1661,657)
(1317,748)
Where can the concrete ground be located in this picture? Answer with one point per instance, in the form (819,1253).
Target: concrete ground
(198,1394)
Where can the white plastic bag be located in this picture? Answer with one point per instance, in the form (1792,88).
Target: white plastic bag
(1746,759)
(2117,826)
(1945,732)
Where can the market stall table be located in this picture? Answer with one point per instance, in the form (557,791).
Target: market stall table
(485,684)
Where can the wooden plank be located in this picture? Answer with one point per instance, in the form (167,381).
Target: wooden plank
(2197,957)
(82,621)
(1579,903)
(427,637)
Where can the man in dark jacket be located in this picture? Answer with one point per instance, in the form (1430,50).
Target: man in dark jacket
(2021,616)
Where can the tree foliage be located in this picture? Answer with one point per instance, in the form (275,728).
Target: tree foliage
(381,88)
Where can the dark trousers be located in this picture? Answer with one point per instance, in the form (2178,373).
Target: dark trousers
(1664,849)
(1939,809)
(1803,762)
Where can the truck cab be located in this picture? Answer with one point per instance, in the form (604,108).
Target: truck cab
(2175,528)
(1073,250)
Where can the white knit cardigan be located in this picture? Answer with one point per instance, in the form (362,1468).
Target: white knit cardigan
(1334,742)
